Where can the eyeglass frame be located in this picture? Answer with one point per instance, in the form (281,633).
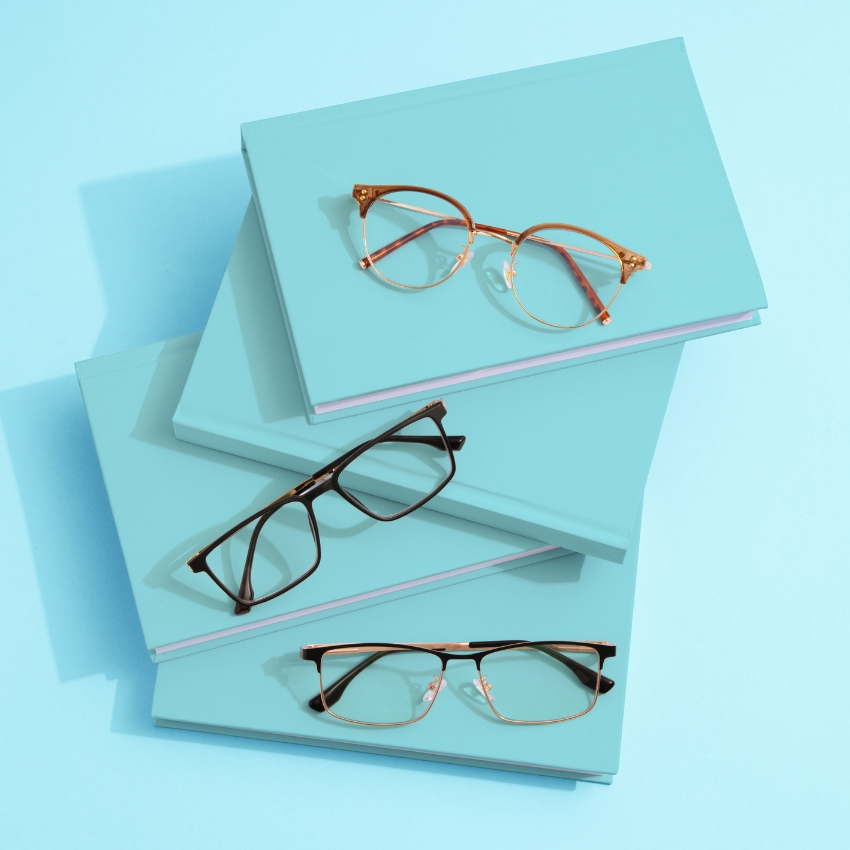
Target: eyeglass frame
(446,652)
(630,261)
(308,490)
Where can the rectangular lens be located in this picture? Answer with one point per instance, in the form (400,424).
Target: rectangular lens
(542,682)
(412,463)
(378,685)
(285,549)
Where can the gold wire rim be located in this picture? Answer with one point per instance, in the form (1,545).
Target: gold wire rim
(469,229)
(368,723)
(568,227)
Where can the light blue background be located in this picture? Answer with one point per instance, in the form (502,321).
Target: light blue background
(122,190)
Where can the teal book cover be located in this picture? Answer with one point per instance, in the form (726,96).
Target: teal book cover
(560,456)
(261,687)
(618,144)
(170,498)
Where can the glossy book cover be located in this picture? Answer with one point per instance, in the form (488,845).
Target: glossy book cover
(560,456)
(618,144)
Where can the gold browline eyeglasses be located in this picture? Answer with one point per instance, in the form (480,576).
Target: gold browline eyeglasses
(561,275)
(394,684)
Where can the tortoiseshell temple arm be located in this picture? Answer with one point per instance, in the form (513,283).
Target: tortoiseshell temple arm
(333,692)
(583,282)
(594,299)
(409,237)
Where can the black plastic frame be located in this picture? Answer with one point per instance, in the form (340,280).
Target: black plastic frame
(330,695)
(327,478)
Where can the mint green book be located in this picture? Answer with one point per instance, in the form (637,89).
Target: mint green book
(170,498)
(560,456)
(618,143)
(260,687)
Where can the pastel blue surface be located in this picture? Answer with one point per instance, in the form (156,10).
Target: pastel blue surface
(169,499)
(617,143)
(123,189)
(514,472)
(262,685)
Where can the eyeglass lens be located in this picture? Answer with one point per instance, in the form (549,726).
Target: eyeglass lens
(391,686)
(284,550)
(415,239)
(412,463)
(563,277)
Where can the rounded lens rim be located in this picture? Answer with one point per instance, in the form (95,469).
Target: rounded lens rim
(570,228)
(387,646)
(540,722)
(470,230)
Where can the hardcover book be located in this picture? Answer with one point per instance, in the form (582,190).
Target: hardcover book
(560,456)
(170,498)
(261,687)
(616,144)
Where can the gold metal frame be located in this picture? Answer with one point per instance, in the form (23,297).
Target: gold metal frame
(435,686)
(630,261)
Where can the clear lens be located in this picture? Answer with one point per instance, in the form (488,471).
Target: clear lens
(542,681)
(565,278)
(384,685)
(412,463)
(414,239)
(285,550)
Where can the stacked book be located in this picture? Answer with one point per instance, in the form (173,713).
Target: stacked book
(359,488)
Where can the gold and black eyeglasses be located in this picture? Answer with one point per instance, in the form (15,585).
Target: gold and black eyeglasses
(393,684)
(561,275)
(276,548)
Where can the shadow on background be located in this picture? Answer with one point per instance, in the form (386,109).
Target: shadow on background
(85,591)
(162,240)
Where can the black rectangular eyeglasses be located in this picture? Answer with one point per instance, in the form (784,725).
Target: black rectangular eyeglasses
(278,547)
(525,682)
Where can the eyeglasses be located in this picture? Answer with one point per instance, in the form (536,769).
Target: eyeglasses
(393,684)
(561,275)
(276,548)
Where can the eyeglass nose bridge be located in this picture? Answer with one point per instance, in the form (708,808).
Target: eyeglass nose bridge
(509,236)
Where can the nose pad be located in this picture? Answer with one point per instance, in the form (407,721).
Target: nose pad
(432,689)
(509,275)
(482,686)
(462,260)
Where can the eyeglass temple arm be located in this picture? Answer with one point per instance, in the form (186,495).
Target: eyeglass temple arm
(456,443)
(589,291)
(333,693)
(409,237)
(585,675)
(579,275)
